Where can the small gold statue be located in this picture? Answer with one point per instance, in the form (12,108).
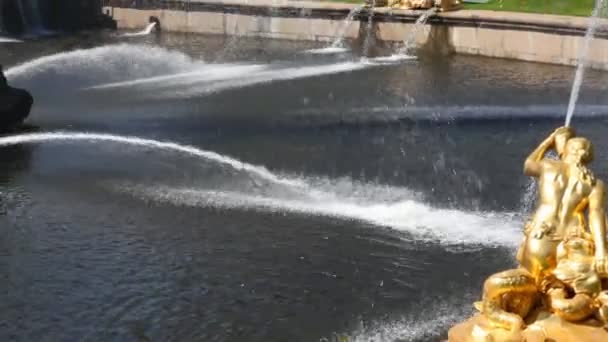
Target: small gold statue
(410,4)
(443,5)
(448,5)
(558,292)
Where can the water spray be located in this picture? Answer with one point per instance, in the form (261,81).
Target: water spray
(582,59)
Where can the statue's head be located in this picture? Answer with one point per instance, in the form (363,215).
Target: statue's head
(578,150)
(562,135)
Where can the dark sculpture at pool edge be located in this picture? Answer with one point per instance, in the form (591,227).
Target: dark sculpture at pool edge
(15,104)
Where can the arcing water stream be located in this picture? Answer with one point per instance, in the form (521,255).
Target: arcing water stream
(401,213)
(191,150)
(582,58)
(143,32)
(337,45)
(409,40)
(368,41)
(163,73)
(9,40)
(339,41)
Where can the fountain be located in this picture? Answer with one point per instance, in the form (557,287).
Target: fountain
(337,46)
(582,59)
(408,41)
(370,24)
(190,210)
(151,26)
(339,41)
(557,292)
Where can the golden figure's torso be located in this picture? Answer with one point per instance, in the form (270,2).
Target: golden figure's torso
(563,192)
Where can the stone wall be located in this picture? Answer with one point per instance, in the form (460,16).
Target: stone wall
(538,38)
(317,29)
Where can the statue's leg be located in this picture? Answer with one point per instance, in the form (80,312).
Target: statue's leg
(573,309)
(508,298)
(602,311)
(585,286)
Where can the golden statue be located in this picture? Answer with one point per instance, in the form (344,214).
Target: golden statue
(443,5)
(410,4)
(558,292)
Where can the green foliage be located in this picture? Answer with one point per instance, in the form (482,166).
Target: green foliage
(562,7)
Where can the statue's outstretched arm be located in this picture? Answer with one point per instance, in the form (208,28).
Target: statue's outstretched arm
(557,140)
(533,164)
(597,224)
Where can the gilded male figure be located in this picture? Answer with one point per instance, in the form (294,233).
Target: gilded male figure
(567,189)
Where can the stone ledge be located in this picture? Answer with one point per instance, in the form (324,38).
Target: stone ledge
(554,24)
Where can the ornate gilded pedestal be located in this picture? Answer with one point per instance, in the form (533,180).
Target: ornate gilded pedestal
(559,291)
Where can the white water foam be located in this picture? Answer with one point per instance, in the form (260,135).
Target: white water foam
(230,77)
(143,32)
(87,67)
(447,226)
(384,206)
(388,60)
(152,72)
(424,325)
(9,40)
(327,50)
(217,72)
